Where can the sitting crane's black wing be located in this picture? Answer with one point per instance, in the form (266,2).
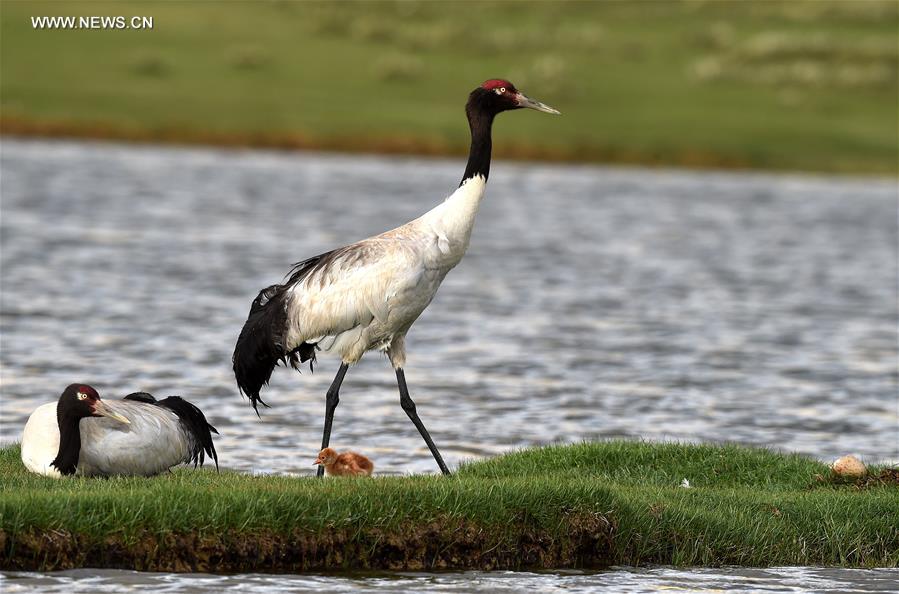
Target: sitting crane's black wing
(194,422)
(141,397)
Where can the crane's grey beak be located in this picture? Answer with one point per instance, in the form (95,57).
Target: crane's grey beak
(102,410)
(525,101)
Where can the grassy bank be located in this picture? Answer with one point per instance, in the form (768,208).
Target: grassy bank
(587,505)
(774,85)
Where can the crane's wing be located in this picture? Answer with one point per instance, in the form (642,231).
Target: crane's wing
(350,289)
(150,444)
(325,299)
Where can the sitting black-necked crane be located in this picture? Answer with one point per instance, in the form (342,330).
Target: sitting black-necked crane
(135,436)
(366,295)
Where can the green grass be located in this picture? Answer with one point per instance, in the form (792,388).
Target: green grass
(589,504)
(775,85)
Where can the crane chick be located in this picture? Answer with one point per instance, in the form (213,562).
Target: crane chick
(345,464)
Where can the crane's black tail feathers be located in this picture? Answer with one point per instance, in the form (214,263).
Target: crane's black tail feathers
(262,343)
(194,421)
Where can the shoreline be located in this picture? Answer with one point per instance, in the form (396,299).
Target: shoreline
(408,145)
(443,544)
(582,506)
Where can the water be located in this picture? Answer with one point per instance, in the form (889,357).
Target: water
(621,580)
(592,303)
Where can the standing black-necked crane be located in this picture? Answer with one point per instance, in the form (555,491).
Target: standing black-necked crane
(135,436)
(366,295)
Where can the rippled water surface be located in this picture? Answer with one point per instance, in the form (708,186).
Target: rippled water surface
(592,303)
(622,580)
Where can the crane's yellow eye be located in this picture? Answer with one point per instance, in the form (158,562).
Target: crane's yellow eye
(82,396)
(500,90)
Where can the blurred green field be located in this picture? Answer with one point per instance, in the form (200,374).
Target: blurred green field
(773,85)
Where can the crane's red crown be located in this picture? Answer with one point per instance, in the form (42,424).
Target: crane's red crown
(497,83)
(85,389)
(90,391)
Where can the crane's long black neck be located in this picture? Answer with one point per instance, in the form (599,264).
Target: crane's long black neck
(480,121)
(66,460)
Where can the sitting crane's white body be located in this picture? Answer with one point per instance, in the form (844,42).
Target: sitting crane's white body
(153,441)
(369,293)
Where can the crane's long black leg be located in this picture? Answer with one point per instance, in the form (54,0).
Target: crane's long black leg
(409,407)
(332,398)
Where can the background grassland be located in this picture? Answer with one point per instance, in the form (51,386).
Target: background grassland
(779,85)
(745,506)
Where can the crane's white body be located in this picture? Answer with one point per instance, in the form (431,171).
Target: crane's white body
(367,295)
(372,291)
(153,442)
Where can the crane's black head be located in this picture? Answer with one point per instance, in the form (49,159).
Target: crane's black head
(497,94)
(79,401)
